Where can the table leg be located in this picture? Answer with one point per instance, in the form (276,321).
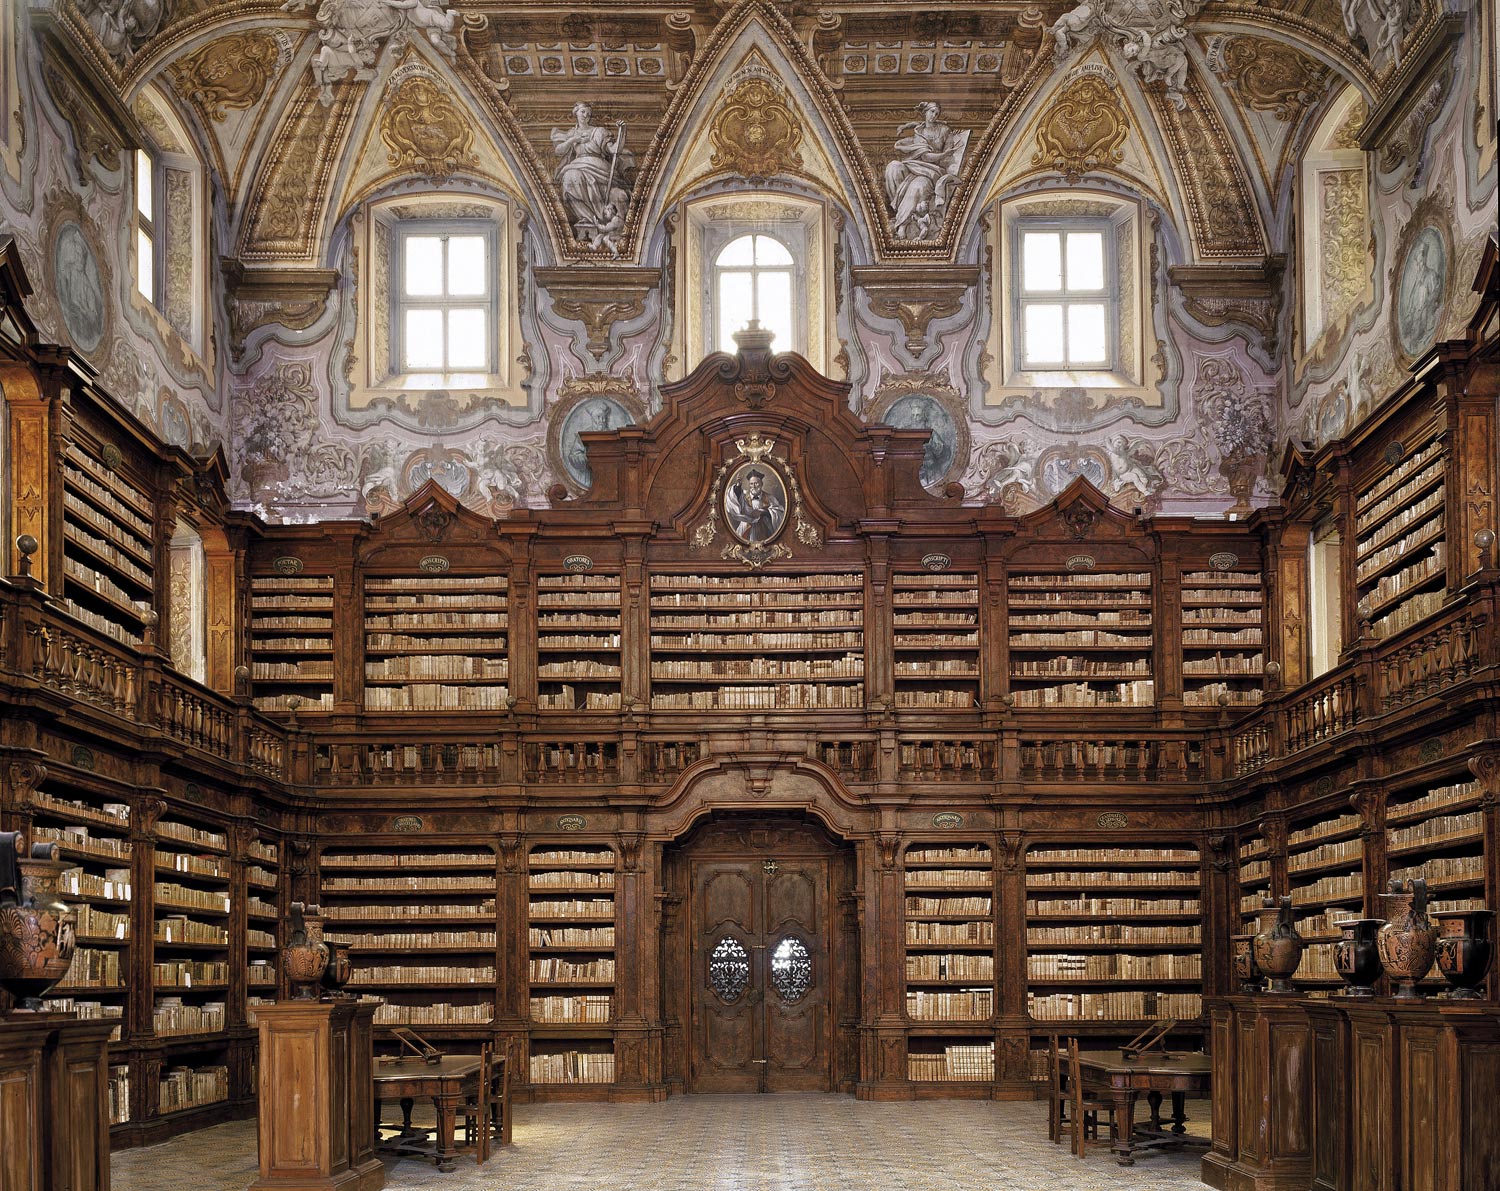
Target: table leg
(1153,1098)
(406,1106)
(1179,1113)
(1124,1131)
(447,1112)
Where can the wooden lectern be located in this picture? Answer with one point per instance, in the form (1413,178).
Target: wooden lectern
(317,1114)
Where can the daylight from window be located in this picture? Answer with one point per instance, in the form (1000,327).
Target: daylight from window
(753,280)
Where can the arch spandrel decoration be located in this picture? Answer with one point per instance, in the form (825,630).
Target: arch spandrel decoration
(770,783)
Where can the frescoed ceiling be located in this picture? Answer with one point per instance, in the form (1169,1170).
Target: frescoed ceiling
(285,95)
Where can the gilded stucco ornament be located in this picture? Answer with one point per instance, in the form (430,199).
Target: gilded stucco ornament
(1084,129)
(755,132)
(1268,76)
(424,131)
(229,72)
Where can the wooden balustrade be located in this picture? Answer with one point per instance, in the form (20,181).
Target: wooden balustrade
(1322,713)
(948,760)
(1252,747)
(265,752)
(65,662)
(571,761)
(663,760)
(1440,657)
(1145,760)
(194,718)
(388,761)
(852,760)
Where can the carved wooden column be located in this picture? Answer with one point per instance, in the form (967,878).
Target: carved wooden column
(1471,478)
(883,1071)
(1287,616)
(1013,1025)
(35,474)
(225,612)
(512,1011)
(637,1044)
(1219,880)
(880,688)
(1166,615)
(1485,765)
(348,640)
(521,636)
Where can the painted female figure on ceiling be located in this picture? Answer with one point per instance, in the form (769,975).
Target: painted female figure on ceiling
(918,183)
(594,170)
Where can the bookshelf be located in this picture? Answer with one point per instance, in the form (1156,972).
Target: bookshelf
(1255,874)
(108,531)
(436,643)
(1400,563)
(93,833)
(1223,628)
(578,642)
(571,963)
(420,924)
(192,907)
(757,642)
(1081,639)
(1326,878)
(936,646)
(950,961)
(262,883)
(1435,830)
(186,1088)
(1113,935)
(291,642)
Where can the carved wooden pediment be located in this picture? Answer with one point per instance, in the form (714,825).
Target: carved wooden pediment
(433,522)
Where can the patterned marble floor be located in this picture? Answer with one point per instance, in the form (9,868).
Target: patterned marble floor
(723,1143)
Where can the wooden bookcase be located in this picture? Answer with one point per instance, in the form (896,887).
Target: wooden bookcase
(109,544)
(1255,874)
(1113,935)
(571,957)
(950,962)
(263,885)
(1081,639)
(1223,638)
(757,642)
(1325,868)
(578,642)
(1400,560)
(420,922)
(936,647)
(436,643)
(291,642)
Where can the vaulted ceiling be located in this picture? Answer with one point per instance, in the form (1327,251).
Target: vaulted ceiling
(303,108)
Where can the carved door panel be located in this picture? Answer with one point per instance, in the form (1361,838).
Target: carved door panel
(759,972)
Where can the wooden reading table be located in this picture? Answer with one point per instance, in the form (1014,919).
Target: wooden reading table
(1182,1075)
(447,1083)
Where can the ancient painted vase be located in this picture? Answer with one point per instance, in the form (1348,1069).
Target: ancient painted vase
(1242,956)
(37,929)
(1408,940)
(1465,946)
(1356,956)
(340,968)
(304,959)
(1277,946)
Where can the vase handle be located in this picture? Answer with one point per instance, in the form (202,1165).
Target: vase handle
(1419,894)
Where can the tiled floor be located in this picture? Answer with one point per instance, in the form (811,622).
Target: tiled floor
(723,1143)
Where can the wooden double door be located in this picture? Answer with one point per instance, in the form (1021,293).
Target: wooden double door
(765,962)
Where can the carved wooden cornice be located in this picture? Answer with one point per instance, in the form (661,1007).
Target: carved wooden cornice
(915,295)
(598,297)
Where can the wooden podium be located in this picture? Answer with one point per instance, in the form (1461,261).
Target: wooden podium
(316,1103)
(54,1102)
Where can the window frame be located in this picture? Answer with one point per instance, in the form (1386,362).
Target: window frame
(149,226)
(756,271)
(401,302)
(1109,296)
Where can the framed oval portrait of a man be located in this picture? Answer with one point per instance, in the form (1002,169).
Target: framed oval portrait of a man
(754,503)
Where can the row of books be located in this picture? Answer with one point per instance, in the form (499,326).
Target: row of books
(572,1066)
(953,966)
(192,1087)
(958,1062)
(1115,966)
(967,1004)
(584,1009)
(1114,1005)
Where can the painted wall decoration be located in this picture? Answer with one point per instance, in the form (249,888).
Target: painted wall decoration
(80,288)
(944,451)
(1147,34)
(1419,293)
(123,26)
(354,32)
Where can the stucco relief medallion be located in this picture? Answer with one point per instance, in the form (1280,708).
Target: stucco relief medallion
(424,131)
(229,72)
(755,133)
(1419,292)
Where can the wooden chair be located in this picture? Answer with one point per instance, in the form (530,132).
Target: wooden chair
(478,1107)
(1059,1096)
(1086,1104)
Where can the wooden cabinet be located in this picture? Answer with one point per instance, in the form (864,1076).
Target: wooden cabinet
(1342,1095)
(317,1123)
(54,1106)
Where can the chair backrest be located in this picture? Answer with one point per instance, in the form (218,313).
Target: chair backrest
(1054,1063)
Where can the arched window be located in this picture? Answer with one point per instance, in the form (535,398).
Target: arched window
(753,280)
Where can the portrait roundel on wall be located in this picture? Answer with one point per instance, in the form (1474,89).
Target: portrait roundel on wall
(937,408)
(582,413)
(1420,289)
(80,288)
(755,502)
